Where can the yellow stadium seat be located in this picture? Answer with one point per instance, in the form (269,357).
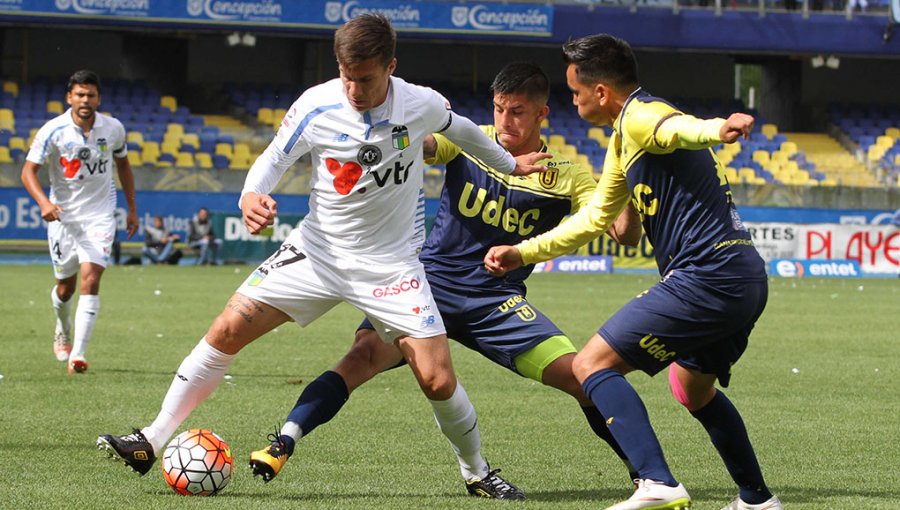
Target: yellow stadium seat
(241,162)
(203,160)
(184,160)
(168,147)
(11,87)
(892,132)
(55,107)
(597,134)
(7,115)
(4,155)
(746,174)
(8,125)
(769,130)
(135,137)
(17,142)
(780,157)
(175,128)
(583,160)
(278,114)
(149,158)
(264,115)
(875,153)
(191,139)
(731,174)
(897,160)
(725,157)
(557,141)
(790,148)
(169,102)
(224,149)
(241,150)
(761,157)
(134,158)
(545,123)
(884,141)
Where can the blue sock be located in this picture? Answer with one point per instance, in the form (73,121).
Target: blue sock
(598,425)
(629,423)
(319,402)
(727,432)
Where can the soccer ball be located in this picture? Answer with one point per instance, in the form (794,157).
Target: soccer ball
(197,463)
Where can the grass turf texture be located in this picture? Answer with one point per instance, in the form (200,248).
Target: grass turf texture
(826,433)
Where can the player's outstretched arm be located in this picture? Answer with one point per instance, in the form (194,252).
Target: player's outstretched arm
(627,228)
(259,211)
(738,125)
(502,259)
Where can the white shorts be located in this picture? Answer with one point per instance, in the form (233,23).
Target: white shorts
(74,243)
(305,283)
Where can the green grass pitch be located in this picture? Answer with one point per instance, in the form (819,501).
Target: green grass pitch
(819,389)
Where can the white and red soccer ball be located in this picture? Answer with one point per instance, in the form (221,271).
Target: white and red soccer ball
(197,463)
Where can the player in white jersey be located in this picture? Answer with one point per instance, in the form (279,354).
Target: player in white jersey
(358,244)
(79,149)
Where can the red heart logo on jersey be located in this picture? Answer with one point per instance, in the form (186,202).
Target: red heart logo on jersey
(345,176)
(416,310)
(70,166)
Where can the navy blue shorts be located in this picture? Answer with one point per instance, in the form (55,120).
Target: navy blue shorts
(498,323)
(704,325)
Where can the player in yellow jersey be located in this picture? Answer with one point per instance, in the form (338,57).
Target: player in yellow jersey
(698,318)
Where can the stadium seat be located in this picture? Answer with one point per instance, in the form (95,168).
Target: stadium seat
(769,130)
(884,141)
(220,161)
(135,137)
(241,150)
(203,160)
(185,160)
(761,157)
(11,87)
(241,161)
(169,102)
(134,158)
(175,129)
(5,157)
(893,132)
(54,107)
(224,149)
(790,148)
(264,116)
(556,141)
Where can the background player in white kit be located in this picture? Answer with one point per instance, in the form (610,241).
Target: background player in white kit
(78,148)
(358,244)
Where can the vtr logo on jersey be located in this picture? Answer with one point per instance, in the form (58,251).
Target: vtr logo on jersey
(400,173)
(397,288)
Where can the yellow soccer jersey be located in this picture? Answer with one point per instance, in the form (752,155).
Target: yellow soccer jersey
(647,136)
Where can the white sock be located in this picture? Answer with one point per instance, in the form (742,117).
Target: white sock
(85,318)
(291,430)
(62,309)
(457,420)
(196,379)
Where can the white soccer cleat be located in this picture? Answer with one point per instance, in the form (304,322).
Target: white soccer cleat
(772,504)
(61,345)
(653,495)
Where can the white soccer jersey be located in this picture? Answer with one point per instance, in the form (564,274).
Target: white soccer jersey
(80,167)
(366,200)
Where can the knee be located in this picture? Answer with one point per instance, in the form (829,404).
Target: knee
(438,384)
(65,291)
(583,366)
(224,335)
(692,396)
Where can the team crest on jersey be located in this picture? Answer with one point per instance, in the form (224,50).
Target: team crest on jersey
(549,178)
(400,137)
(101,143)
(369,155)
(84,153)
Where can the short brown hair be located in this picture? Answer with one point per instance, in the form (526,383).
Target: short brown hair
(365,37)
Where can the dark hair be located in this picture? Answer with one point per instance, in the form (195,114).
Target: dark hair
(83,77)
(364,37)
(605,58)
(522,78)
